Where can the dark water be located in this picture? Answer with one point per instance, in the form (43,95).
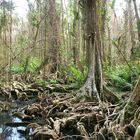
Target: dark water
(11,132)
(8,132)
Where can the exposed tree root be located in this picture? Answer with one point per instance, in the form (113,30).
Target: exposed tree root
(109,95)
(65,117)
(89,90)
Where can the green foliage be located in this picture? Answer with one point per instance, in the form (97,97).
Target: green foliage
(27,64)
(69,75)
(3,21)
(23,41)
(42,83)
(45,83)
(34,18)
(17,69)
(122,77)
(112,4)
(72,75)
(75,72)
(138,23)
(52,81)
(34,64)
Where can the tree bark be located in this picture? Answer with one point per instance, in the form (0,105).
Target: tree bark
(138,21)
(93,85)
(133,103)
(54,36)
(131,27)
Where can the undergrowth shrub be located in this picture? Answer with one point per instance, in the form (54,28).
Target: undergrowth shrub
(123,77)
(28,64)
(42,82)
(17,69)
(72,75)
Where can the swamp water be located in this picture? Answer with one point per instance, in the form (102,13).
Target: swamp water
(10,132)
(12,128)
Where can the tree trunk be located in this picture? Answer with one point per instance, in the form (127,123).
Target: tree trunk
(131,110)
(75,34)
(131,28)
(92,82)
(93,86)
(54,36)
(138,21)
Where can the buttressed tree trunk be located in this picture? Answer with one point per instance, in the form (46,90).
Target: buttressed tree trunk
(90,87)
(93,86)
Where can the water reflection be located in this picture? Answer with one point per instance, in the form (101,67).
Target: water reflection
(10,133)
